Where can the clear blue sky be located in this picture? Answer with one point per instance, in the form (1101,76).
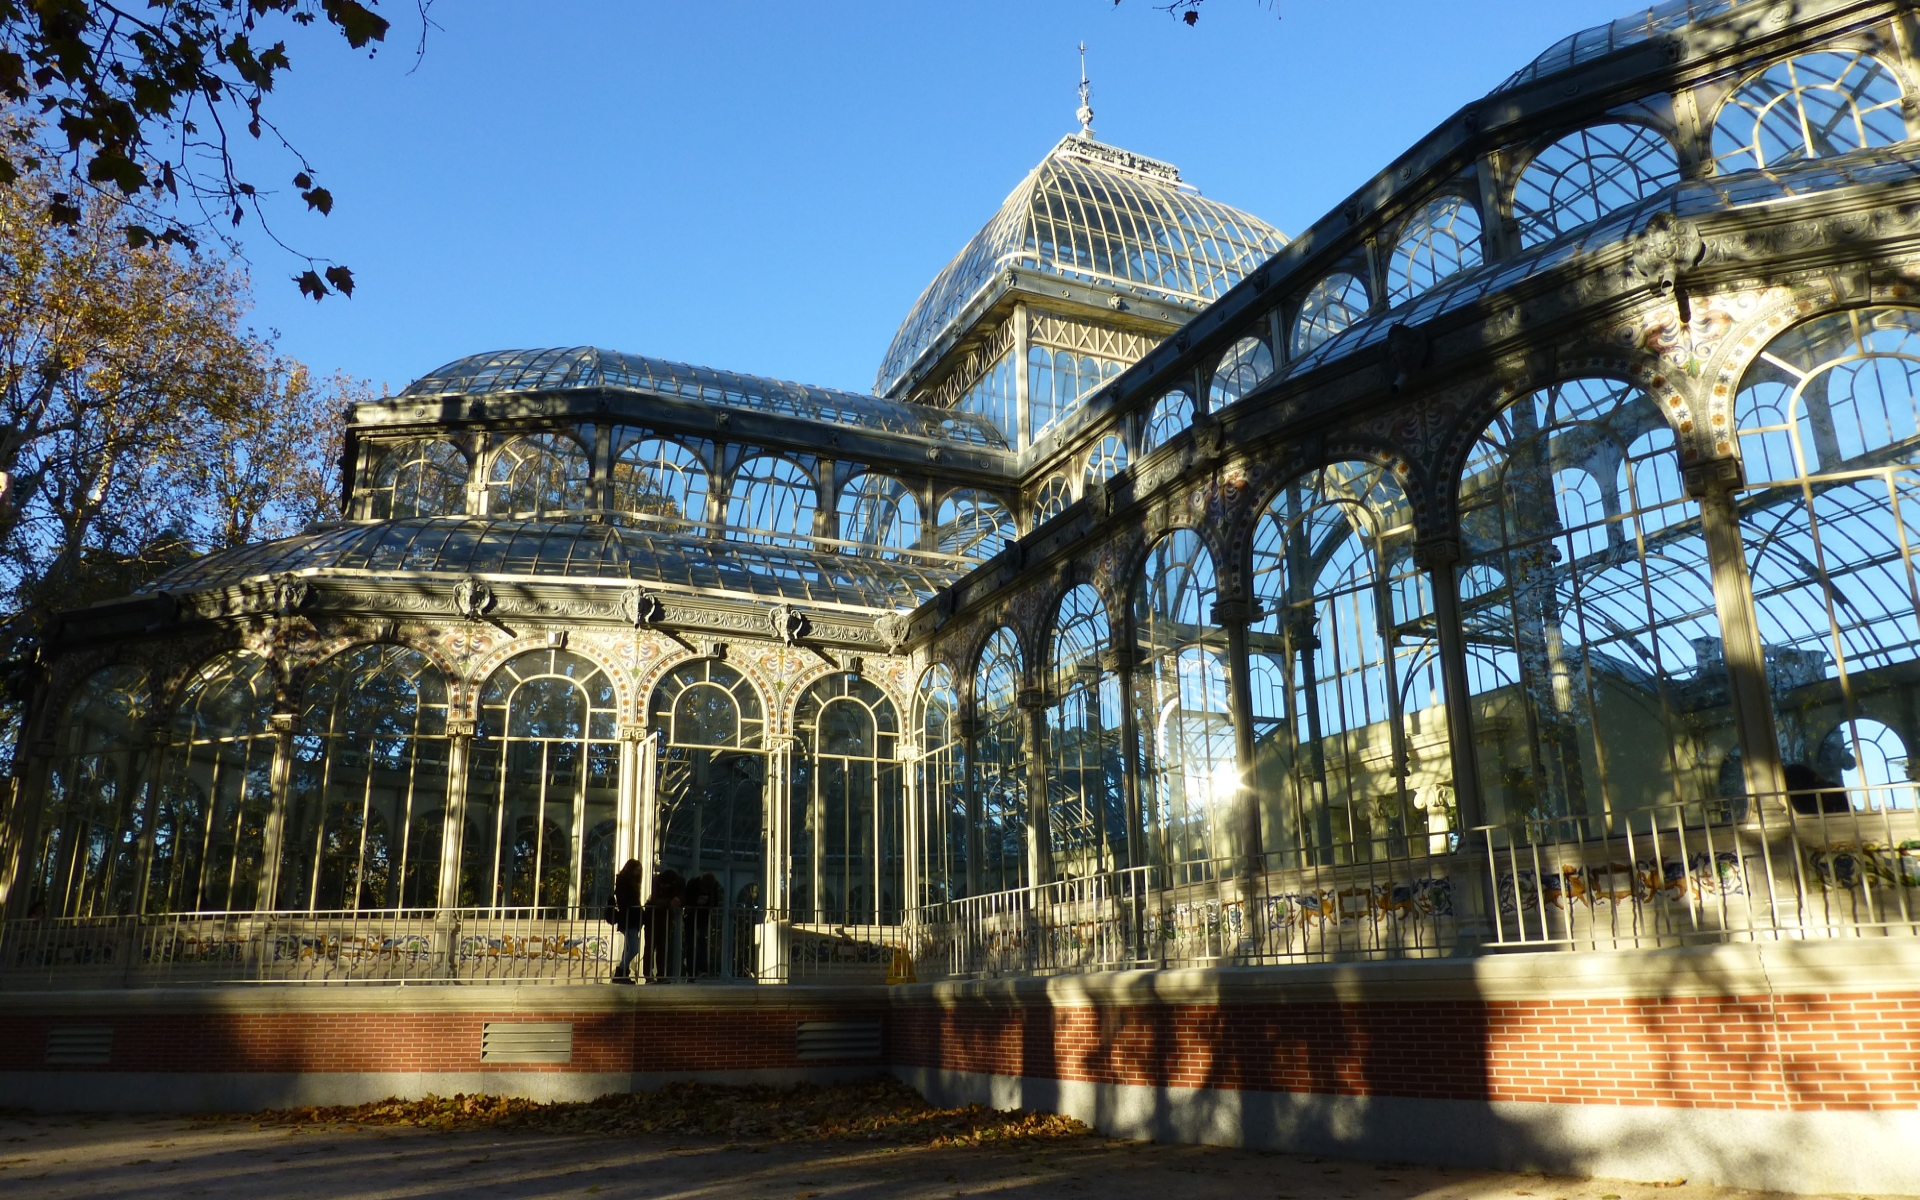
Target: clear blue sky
(766,187)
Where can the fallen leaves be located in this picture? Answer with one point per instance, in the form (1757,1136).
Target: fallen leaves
(877,1110)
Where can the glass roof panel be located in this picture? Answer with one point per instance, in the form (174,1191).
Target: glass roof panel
(1643,24)
(574,550)
(1100,215)
(592,367)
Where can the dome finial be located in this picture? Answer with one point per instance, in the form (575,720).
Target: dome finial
(1086,91)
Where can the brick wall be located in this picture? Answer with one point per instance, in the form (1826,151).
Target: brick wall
(1843,1051)
(657,1040)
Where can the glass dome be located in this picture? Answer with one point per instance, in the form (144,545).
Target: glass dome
(1100,215)
(580,551)
(1588,44)
(591,367)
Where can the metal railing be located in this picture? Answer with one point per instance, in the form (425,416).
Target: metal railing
(1832,864)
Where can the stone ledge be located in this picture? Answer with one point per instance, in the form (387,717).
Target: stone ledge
(370,998)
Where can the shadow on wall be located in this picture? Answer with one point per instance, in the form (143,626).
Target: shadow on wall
(1691,1083)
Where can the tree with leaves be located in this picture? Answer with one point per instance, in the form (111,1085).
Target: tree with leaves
(142,99)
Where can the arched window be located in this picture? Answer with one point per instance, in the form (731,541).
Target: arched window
(1441,239)
(207,838)
(1829,421)
(1051,500)
(1086,777)
(1189,775)
(1589,173)
(85,860)
(1245,367)
(942,819)
(974,524)
(367,800)
(849,844)
(1354,749)
(1810,106)
(543,786)
(1330,308)
(423,477)
(772,501)
(541,474)
(711,793)
(880,511)
(1594,645)
(659,478)
(1000,777)
(1106,460)
(1057,380)
(1171,413)
(1870,760)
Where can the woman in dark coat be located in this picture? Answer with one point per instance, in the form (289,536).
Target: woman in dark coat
(626,917)
(662,914)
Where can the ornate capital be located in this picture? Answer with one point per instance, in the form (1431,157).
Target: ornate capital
(633,731)
(1703,479)
(1235,610)
(1032,698)
(1436,553)
(460,727)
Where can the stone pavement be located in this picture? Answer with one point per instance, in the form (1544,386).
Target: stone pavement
(73,1156)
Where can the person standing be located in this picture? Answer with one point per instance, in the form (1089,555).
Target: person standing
(627,916)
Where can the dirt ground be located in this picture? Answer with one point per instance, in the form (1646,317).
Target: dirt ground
(577,1151)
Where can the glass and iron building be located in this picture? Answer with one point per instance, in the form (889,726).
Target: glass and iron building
(1520,556)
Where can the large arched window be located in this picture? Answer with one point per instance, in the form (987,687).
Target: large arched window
(772,501)
(1189,774)
(974,524)
(1589,173)
(423,477)
(1352,757)
(1829,421)
(1051,499)
(85,860)
(711,793)
(1105,460)
(849,844)
(1000,758)
(207,838)
(942,820)
(881,512)
(541,474)
(1330,309)
(367,800)
(543,786)
(1811,106)
(1439,240)
(1171,413)
(1246,366)
(659,478)
(1595,665)
(1086,777)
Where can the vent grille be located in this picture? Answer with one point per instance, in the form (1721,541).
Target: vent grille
(80,1045)
(837,1039)
(526,1042)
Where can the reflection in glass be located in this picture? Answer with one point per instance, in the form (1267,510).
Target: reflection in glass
(1106,460)
(659,478)
(1086,775)
(1171,413)
(207,837)
(1829,420)
(712,778)
(1051,500)
(543,786)
(366,804)
(772,502)
(538,474)
(85,861)
(1058,380)
(1330,307)
(423,477)
(973,524)
(1811,106)
(1189,775)
(1351,750)
(1246,365)
(880,511)
(1589,173)
(1439,240)
(1000,777)
(1594,659)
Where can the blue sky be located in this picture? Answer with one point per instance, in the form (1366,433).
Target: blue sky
(766,187)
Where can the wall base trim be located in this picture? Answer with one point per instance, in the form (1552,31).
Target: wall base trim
(248,1091)
(1827,1151)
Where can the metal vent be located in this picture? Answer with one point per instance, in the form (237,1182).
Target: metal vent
(526,1042)
(80,1045)
(837,1039)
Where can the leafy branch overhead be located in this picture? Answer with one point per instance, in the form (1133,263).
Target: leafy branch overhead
(141,99)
